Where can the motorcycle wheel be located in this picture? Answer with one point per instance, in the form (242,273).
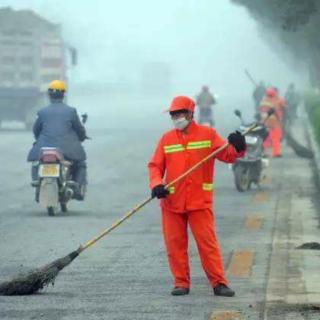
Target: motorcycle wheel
(51,211)
(242,178)
(64,207)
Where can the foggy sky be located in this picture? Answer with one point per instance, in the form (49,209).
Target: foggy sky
(203,41)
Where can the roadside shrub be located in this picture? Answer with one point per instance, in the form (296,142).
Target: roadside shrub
(312,101)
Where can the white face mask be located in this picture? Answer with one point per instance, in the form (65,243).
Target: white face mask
(180,123)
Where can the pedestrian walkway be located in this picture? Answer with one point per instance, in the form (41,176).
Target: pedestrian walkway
(286,207)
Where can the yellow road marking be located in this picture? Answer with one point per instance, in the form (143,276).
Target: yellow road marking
(267,180)
(241,264)
(225,315)
(253,223)
(260,197)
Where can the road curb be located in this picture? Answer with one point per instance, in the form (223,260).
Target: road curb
(311,137)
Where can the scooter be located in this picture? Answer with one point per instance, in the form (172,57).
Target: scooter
(249,169)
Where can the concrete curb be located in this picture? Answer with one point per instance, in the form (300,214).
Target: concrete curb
(311,137)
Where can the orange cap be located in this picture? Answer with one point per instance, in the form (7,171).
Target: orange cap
(181,102)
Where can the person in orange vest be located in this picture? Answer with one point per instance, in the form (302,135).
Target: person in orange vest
(273,123)
(190,200)
(281,104)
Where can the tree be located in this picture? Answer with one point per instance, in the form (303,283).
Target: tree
(297,25)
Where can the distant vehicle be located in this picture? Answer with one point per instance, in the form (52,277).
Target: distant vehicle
(249,169)
(32,53)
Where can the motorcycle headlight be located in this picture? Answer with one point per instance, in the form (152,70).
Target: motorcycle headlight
(251,140)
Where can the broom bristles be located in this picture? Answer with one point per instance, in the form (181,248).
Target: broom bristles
(37,279)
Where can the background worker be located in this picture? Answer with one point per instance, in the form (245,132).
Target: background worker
(293,99)
(189,202)
(274,122)
(281,110)
(205,100)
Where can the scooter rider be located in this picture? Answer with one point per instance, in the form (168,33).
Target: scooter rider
(58,125)
(205,100)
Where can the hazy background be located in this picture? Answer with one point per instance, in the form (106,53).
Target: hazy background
(196,41)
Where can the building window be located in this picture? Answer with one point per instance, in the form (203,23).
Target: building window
(26,76)
(51,62)
(8,60)
(27,60)
(7,76)
(50,77)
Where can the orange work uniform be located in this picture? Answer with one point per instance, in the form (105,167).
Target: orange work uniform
(273,123)
(190,200)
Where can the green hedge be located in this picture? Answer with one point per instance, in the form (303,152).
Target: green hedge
(312,101)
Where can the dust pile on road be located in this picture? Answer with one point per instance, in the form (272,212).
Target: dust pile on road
(310,246)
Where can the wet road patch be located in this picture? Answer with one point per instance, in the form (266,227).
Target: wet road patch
(225,315)
(253,223)
(241,264)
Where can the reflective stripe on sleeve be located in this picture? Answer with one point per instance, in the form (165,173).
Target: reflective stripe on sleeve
(267,104)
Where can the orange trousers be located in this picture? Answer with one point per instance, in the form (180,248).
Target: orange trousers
(274,139)
(175,231)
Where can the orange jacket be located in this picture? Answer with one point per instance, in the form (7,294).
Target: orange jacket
(175,153)
(266,104)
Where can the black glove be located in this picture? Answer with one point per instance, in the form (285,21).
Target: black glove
(237,140)
(159,191)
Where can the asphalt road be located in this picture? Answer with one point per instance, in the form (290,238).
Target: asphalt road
(125,275)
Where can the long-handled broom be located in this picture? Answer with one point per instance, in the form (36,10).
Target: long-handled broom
(39,278)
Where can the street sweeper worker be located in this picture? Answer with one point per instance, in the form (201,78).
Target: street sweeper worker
(274,122)
(189,202)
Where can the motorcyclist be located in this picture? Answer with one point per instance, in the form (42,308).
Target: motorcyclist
(58,125)
(205,100)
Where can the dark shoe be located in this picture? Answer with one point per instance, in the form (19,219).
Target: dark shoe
(223,290)
(180,291)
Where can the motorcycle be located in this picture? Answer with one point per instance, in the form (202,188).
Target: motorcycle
(55,186)
(249,169)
